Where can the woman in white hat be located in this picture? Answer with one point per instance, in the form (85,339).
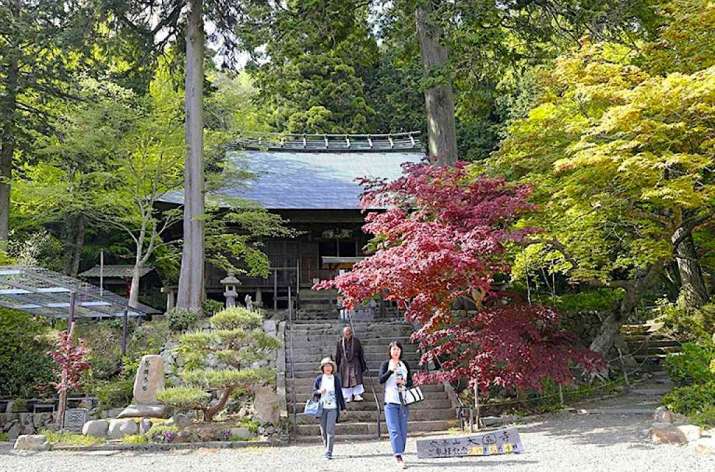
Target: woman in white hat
(329,391)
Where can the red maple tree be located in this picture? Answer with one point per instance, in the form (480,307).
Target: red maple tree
(71,359)
(439,243)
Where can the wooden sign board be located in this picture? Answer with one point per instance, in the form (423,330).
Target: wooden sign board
(503,441)
(75,418)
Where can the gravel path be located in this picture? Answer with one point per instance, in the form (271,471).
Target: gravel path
(562,442)
(609,439)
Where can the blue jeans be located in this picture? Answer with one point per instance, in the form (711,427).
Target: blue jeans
(396,417)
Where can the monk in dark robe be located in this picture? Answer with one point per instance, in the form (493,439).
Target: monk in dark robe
(351,365)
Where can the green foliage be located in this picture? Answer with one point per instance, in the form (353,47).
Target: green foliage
(236,341)
(705,418)
(250,424)
(181,320)
(4,437)
(184,398)
(71,439)
(691,400)
(135,439)
(162,433)
(114,393)
(692,364)
(25,367)
(211,307)
(600,300)
(687,324)
(236,318)
(222,379)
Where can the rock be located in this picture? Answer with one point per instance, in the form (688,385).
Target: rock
(135,411)
(705,446)
(121,427)
(270,430)
(690,431)
(32,442)
(96,428)
(662,415)
(182,420)
(145,425)
(267,405)
(14,431)
(147,382)
(40,420)
(241,433)
(183,436)
(666,433)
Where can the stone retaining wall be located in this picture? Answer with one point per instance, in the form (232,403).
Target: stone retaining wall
(15,424)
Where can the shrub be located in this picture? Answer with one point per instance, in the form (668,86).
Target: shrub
(114,393)
(184,398)
(4,437)
(692,365)
(705,418)
(687,324)
(211,307)
(691,400)
(237,342)
(73,439)
(25,366)
(181,320)
(162,433)
(135,439)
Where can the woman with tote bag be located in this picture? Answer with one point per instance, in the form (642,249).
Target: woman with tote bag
(328,391)
(396,376)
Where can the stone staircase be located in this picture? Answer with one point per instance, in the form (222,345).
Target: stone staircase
(313,339)
(647,345)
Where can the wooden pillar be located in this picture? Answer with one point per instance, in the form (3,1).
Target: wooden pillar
(275,290)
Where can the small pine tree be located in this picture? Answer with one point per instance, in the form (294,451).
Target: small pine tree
(234,344)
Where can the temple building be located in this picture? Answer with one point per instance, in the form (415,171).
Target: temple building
(312,182)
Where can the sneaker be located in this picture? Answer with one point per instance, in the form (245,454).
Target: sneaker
(400,462)
(358,398)
(327,457)
(348,400)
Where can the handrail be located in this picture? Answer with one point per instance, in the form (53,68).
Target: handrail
(349,318)
(292,358)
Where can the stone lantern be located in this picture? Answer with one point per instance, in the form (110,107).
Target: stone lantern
(230,291)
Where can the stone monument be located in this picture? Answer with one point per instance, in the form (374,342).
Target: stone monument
(148,381)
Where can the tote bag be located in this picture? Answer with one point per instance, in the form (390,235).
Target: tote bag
(313,408)
(410,396)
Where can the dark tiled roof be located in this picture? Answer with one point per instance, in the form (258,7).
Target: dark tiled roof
(320,180)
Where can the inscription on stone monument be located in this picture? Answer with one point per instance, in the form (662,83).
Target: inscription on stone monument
(75,418)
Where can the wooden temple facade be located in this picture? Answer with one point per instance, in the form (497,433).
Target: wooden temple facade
(312,182)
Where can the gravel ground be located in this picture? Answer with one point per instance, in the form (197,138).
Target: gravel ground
(562,442)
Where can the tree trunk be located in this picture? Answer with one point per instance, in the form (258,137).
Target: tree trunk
(74,243)
(693,291)
(191,278)
(213,410)
(7,141)
(134,286)
(439,99)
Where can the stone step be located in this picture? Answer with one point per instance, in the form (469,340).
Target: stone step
(371,427)
(327,339)
(411,357)
(300,348)
(306,382)
(438,401)
(303,392)
(314,366)
(302,397)
(365,416)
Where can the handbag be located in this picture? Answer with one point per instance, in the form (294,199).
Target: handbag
(410,396)
(313,408)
